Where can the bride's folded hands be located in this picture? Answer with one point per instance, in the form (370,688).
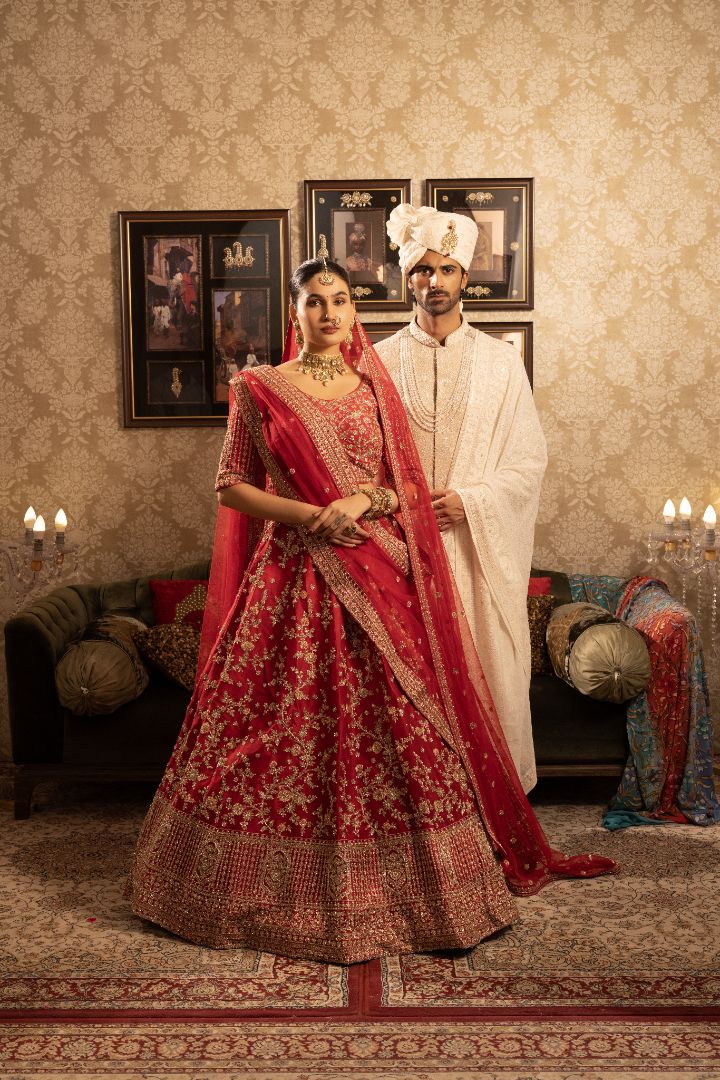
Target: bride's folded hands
(337,522)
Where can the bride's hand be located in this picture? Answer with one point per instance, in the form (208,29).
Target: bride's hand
(336,522)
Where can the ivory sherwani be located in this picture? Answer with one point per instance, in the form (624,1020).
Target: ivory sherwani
(477,431)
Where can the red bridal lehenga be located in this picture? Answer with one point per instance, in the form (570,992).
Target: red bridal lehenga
(340,788)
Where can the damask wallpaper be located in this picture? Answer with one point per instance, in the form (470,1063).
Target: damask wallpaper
(612,105)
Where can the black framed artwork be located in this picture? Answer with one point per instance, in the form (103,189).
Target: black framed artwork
(204,295)
(519,334)
(352,215)
(501,272)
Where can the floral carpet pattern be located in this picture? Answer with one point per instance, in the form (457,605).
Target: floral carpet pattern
(71,941)
(616,977)
(648,937)
(511,1050)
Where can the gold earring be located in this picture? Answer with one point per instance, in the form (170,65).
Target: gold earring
(299,337)
(349,335)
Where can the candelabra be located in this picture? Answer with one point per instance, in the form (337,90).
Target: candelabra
(693,554)
(32,564)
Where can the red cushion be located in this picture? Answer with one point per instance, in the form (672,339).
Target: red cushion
(174,600)
(539,586)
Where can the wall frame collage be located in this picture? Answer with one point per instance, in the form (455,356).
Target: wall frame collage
(204,293)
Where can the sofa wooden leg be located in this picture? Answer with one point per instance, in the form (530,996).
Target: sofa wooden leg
(22,795)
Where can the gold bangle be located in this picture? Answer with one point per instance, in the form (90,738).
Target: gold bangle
(381,501)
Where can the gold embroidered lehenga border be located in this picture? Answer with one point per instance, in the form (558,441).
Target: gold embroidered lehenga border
(419,892)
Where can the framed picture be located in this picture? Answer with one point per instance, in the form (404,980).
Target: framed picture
(520,334)
(204,295)
(352,215)
(501,271)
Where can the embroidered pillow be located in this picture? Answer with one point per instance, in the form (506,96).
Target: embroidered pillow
(539,610)
(175,600)
(173,649)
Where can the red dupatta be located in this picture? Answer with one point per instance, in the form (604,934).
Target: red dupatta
(416,621)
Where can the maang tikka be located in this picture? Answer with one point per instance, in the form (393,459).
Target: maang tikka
(326,278)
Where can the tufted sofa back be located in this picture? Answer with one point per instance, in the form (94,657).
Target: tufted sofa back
(37,636)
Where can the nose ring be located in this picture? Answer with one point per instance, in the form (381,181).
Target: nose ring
(336,320)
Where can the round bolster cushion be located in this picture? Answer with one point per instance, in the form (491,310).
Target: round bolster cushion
(599,655)
(103,671)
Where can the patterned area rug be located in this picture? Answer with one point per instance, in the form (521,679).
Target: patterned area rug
(647,940)
(510,1050)
(72,943)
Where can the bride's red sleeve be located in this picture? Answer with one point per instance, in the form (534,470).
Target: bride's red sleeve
(235,534)
(239,460)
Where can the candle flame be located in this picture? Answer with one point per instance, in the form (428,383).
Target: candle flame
(669,512)
(39,527)
(61,521)
(685,509)
(710,518)
(29,518)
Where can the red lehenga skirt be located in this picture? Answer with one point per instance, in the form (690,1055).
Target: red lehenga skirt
(309,809)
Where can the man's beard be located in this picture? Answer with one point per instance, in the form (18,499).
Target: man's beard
(442,305)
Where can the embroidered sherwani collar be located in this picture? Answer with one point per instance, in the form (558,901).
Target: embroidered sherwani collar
(432,343)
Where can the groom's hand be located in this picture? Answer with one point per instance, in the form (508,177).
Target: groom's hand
(448,507)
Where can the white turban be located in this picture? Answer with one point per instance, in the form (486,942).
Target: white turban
(415,229)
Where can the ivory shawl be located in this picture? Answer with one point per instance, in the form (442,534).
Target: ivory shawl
(496,466)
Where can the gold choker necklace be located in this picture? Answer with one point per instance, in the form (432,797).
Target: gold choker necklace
(321,367)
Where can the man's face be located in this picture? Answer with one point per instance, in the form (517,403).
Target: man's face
(437,282)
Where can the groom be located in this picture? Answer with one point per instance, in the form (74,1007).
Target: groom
(473,419)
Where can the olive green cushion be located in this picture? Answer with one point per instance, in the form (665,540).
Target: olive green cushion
(103,670)
(599,655)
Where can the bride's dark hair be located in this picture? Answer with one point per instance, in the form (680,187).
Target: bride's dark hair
(309,269)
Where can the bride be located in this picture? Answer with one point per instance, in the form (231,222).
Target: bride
(340,788)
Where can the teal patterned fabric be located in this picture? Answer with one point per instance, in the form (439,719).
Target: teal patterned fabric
(669,772)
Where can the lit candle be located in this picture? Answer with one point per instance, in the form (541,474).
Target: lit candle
(39,536)
(29,521)
(710,521)
(60,527)
(669,512)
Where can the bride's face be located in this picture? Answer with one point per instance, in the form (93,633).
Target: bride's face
(325,314)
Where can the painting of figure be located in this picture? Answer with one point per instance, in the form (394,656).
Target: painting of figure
(358,242)
(172,293)
(488,261)
(240,333)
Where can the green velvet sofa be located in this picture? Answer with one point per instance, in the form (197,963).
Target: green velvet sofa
(574,735)
(49,743)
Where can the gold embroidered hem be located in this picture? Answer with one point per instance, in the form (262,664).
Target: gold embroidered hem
(337,902)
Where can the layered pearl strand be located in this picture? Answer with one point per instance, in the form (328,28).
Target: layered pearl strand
(430,419)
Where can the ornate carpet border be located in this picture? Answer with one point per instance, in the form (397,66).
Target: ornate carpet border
(81,999)
(528,996)
(545,1050)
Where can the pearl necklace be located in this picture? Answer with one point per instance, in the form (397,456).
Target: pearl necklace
(323,368)
(430,419)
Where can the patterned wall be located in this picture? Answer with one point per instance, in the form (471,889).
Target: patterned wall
(612,105)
